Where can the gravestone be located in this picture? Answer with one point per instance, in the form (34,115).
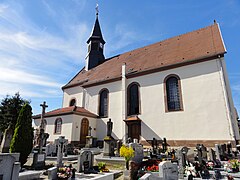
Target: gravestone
(229,149)
(217,149)
(50,149)
(182,157)
(212,155)
(119,145)
(61,143)
(109,127)
(201,153)
(9,166)
(138,152)
(52,173)
(109,142)
(38,160)
(85,161)
(168,170)
(7,137)
(164,145)
(154,146)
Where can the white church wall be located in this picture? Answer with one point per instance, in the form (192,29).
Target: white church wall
(50,127)
(76,126)
(204,116)
(229,98)
(115,101)
(73,93)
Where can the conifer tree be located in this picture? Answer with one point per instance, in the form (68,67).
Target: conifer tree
(22,140)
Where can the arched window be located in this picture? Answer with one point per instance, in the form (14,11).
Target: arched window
(58,126)
(103,103)
(173,93)
(72,102)
(133,99)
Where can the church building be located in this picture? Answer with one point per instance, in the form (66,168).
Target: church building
(176,89)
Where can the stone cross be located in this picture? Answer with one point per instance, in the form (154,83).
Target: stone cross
(154,145)
(199,153)
(164,145)
(41,139)
(61,142)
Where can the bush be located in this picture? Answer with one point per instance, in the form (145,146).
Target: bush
(22,141)
(127,153)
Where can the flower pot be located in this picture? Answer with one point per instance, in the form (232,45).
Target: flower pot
(235,170)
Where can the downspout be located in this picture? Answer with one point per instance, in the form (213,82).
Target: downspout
(124,109)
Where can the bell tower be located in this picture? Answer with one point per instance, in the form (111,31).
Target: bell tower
(95,43)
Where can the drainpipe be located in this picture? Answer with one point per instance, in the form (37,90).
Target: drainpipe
(124,102)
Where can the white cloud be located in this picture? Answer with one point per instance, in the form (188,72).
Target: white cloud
(32,59)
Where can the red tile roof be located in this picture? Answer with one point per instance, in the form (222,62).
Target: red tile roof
(181,50)
(66,111)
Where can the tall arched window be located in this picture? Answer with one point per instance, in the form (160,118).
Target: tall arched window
(58,126)
(72,102)
(133,99)
(173,93)
(103,103)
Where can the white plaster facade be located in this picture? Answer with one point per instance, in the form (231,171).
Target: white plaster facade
(71,127)
(197,58)
(207,104)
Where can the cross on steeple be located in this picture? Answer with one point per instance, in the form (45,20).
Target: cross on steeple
(97,11)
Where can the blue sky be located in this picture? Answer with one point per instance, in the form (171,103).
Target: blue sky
(43,42)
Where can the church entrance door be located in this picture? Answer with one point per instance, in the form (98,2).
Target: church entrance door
(84,131)
(134,129)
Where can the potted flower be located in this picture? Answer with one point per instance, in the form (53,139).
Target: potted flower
(65,172)
(102,167)
(234,164)
(127,153)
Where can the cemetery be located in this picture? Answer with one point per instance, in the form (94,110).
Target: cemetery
(132,159)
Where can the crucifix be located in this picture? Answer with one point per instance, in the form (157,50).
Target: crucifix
(44,106)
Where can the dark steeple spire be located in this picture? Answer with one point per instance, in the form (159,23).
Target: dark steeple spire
(96,43)
(96,32)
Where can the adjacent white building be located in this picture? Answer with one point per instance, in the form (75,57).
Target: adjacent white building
(176,89)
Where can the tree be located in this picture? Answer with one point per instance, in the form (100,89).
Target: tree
(9,111)
(22,140)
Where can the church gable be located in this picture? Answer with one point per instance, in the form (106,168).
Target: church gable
(193,47)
